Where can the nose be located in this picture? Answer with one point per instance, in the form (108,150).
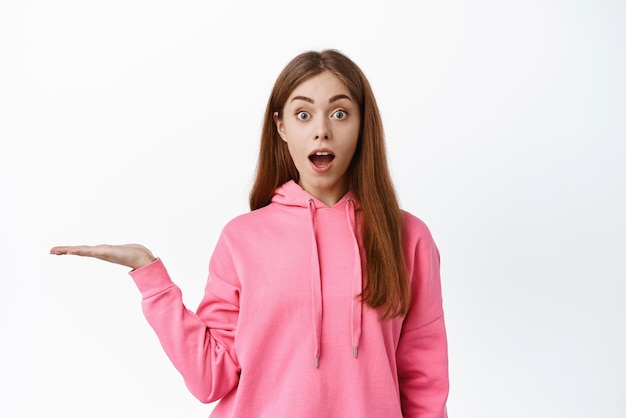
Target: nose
(322,129)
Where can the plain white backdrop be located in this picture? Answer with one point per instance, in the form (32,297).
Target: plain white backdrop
(138,121)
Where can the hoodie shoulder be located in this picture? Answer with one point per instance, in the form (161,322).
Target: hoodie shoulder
(414,226)
(247,220)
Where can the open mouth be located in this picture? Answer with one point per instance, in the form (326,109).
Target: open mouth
(321,159)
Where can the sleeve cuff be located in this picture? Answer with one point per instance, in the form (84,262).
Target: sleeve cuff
(152,278)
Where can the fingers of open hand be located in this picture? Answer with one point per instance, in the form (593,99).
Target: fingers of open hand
(84,250)
(131,255)
(103,251)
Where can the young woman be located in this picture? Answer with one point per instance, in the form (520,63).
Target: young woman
(325,299)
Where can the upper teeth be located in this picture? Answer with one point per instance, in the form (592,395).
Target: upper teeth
(321,153)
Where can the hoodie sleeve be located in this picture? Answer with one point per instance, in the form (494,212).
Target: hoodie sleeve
(199,344)
(422,354)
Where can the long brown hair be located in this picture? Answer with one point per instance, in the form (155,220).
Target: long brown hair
(387,284)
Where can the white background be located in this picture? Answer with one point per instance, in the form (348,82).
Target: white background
(138,121)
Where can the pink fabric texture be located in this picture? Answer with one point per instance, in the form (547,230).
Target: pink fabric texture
(281,332)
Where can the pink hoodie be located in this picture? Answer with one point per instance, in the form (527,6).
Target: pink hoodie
(280,332)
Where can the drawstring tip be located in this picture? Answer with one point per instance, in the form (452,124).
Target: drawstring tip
(354,352)
(317,362)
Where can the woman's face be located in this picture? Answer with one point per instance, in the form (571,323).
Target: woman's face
(320,125)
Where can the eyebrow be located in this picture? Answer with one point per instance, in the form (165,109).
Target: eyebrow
(331,100)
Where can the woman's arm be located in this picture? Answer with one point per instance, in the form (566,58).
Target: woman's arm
(422,354)
(198,344)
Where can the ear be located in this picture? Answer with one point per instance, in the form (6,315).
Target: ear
(280,127)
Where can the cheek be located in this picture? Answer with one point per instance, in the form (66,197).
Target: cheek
(295,152)
(352,144)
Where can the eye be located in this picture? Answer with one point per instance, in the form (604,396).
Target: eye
(340,114)
(303,115)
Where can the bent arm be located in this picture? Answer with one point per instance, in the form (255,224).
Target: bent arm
(198,344)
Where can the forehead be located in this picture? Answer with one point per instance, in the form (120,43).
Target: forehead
(321,86)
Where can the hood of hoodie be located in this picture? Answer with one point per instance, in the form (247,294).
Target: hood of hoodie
(291,194)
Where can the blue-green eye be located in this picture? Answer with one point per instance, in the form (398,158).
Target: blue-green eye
(303,115)
(340,114)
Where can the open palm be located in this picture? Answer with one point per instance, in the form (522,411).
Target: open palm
(130,255)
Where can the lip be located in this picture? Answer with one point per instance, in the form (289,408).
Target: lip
(315,151)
